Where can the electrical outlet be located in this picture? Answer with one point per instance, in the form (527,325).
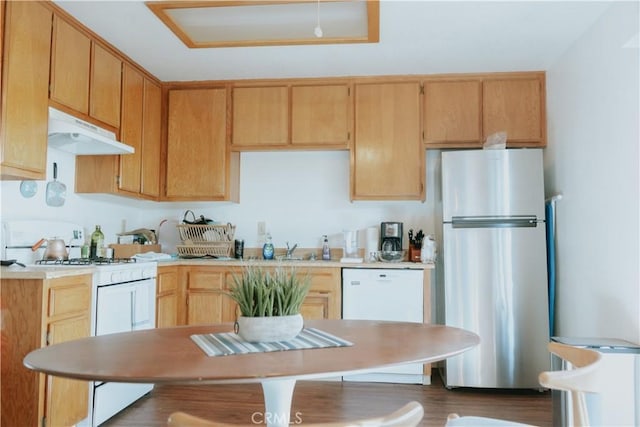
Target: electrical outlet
(262,228)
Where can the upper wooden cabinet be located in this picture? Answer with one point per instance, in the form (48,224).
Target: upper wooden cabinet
(452,113)
(131,132)
(105,87)
(25,77)
(260,116)
(321,115)
(85,76)
(151,140)
(70,67)
(199,166)
(388,158)
(133,175)
(515,104)
(292,116)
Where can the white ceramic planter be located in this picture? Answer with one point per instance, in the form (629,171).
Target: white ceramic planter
(269,329)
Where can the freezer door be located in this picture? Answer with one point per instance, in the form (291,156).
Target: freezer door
(496,183)
(495,284)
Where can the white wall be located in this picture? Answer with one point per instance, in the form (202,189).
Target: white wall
(300,196)
(592,159)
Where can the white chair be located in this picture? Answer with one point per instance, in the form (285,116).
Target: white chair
(583,378)
(409,415)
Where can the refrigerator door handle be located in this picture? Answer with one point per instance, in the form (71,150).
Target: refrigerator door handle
(516,221)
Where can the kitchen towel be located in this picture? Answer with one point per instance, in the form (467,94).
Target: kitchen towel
(228,343)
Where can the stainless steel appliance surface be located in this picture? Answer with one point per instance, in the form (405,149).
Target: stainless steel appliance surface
(122,299)
(385,294)
(493,271)
(391,236)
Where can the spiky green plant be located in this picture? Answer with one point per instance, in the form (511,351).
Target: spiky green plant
(262,294)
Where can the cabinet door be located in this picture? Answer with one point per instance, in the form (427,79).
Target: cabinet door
(315,306)
(452,113)
(167,297)
(151,129)
(321,115)
(25,85)
(388,157)
(205,298)
(260,116)
(70,61)
(106,78)
(196,145)
(66,400)
(131,132)
(515,105)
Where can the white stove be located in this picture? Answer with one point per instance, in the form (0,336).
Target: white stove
(123,298)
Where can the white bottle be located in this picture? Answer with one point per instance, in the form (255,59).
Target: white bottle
(326,252)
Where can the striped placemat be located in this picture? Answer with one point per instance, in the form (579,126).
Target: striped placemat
(227,343)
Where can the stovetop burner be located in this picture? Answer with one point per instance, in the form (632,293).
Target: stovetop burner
(86,261)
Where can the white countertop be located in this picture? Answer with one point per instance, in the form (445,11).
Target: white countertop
(52,272)
(43,272)
(297,263)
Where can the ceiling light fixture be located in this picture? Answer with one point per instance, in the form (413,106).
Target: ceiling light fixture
(318,30)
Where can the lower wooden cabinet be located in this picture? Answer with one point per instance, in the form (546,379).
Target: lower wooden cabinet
(167,296)
(37,313)
(200,294)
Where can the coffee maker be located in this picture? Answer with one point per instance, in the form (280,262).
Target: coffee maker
(391,236)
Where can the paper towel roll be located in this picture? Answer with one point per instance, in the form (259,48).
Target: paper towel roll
(372,243)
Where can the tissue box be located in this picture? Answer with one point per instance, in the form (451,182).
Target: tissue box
(127,251)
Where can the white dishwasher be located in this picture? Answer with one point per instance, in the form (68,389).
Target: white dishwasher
(385,294)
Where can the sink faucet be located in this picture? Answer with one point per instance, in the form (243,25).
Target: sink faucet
(291,249)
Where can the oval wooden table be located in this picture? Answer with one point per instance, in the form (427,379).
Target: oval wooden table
(168,355)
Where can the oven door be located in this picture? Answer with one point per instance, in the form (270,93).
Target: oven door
(125,307)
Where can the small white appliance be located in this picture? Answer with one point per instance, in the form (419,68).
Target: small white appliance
(385,294)
(122,299)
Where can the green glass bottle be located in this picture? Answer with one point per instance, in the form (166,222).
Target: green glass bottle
(97,241)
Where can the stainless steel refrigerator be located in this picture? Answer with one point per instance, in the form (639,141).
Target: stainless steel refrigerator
(494,265)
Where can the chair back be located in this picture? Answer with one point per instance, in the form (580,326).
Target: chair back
(409,415)
(583,378)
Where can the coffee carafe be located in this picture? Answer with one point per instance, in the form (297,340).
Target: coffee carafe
(391,236)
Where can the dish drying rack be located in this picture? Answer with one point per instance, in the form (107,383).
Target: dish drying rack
(200,240)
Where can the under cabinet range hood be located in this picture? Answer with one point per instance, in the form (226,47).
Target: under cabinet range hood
(76,136)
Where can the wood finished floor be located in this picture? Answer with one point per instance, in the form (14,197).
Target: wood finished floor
(322,401)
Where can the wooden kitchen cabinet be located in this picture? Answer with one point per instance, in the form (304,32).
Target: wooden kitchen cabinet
(70,66)
(167,296)
(151,140)
(198,164)
(37,313)
(321,115)
(105,86)
(85,76)
(388,158)
(515,104)
(292,116)
(131,132)
(25,86)
(260,116)
(134,175)
(453,113)
(203,299)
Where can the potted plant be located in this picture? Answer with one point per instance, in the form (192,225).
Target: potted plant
(269,303)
